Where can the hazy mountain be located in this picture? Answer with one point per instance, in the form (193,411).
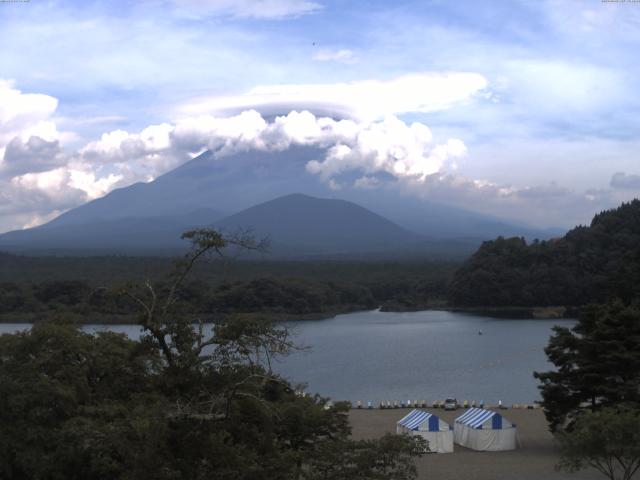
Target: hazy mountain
(227,184)
(233,183)
(316,225)
(206,189)
(155,235)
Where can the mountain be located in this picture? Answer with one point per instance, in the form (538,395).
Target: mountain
(131,235)
(236,182)
(315,225)
(589,264)
(227,184)
(150,216)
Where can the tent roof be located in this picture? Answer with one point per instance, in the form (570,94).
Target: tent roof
(415,418)
(476,417)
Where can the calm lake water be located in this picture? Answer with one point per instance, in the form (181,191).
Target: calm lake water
(418,355)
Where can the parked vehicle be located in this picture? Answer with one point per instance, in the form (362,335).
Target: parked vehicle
(450,404)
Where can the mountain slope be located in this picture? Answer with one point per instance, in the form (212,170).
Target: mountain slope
(589,264)
(227,184)
(151,235)
(320,225)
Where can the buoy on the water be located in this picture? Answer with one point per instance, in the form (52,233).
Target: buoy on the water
(479,332)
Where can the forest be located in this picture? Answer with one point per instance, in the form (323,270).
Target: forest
(590,264)
(90,288)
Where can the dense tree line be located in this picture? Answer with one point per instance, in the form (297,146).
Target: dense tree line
(114,269)
(266,294)
(589,264)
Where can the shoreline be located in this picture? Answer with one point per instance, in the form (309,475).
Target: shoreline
(530,313)
(524,313)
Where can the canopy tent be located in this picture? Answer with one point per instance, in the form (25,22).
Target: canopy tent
(430,427)
(484,430)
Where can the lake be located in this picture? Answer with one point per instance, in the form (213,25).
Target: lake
(424,355)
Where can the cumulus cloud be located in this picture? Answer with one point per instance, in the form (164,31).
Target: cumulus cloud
(34,155)
(27,113)
(621,180)
(38,179)
(33,198)
(343,55)
(390,146)
(364,100)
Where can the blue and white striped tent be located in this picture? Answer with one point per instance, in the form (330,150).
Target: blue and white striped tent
(486,430)
(436,431)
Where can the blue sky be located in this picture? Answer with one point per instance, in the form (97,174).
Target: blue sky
(542,94)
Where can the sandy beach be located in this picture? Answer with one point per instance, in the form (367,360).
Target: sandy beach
(534,460)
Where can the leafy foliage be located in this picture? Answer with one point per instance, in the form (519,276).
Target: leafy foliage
(598,363)
(607,440)
(389,458)
(180,403)
(589,264)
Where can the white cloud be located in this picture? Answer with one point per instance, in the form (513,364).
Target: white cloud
(38,178)
(121,146)
(365,100)
(23,111)
(344,55)
(266,9)
(92,186)
(32,196)
(390,146)
(23,116)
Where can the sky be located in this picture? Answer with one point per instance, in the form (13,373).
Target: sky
(525,110)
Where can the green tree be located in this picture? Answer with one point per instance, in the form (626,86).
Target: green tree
(58,384)
(598,363)
(183,402)
(389,458)
(607,440)
(589,264)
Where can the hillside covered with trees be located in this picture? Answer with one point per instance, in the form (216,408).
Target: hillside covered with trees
(589,264)
(90,288)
